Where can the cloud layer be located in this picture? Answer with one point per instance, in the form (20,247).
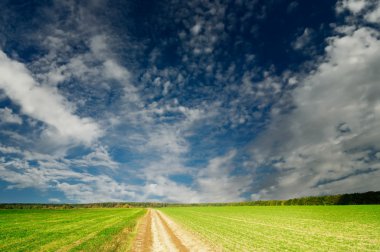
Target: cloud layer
(329,142)
(197,101)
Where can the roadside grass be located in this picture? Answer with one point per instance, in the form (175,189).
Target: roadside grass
(68,230)
(284,228)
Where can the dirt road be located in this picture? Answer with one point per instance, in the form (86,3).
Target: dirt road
(157,232)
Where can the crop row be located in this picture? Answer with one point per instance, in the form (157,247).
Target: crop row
(63,230)
(292,228)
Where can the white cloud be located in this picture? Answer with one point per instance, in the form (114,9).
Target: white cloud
(214,183)
(370,9)
(44,104)
(374,15)
(75,51)
(115,71)
(57,174)
(7,116)
(9,150)
(355,6)
(20,174)
(324,145)
(100,188)
(166,88)
(217,183)
(54,200)
(196,29)
(98,46)
(169,191)
(206,29)
(97,158)
(303,39)
(159,130)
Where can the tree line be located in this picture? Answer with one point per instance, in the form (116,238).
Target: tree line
(367,198)
(87,205)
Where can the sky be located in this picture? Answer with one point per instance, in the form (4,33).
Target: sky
(188,101)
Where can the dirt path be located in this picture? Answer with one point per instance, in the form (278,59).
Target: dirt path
(143,240)
(157,232)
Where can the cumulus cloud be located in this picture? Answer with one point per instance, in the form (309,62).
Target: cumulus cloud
(203,30)
(196,29)
(374,15)
(54,200)
(20,174)
(303,39)
(7,116)
(217,182)
(161,120)
(164,188)
(369,9)
(9,150)
(99,157)
(100,188)
(44,104)
(355,6)
(48,173)
(328,143)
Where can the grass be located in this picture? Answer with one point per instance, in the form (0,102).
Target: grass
(68,230)
(284,228)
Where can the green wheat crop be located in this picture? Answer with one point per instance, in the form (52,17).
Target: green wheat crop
(67,230)
(284,228)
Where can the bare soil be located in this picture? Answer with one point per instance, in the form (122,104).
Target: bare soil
(157,232)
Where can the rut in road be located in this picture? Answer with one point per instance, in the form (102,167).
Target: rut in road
(157,232)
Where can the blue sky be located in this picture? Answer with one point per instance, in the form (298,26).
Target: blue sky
(188,101)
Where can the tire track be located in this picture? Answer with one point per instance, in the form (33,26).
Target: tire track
(143,240)
(157,232)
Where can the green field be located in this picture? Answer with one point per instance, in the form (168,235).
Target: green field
(68,230)
(230,228)
(284,228)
